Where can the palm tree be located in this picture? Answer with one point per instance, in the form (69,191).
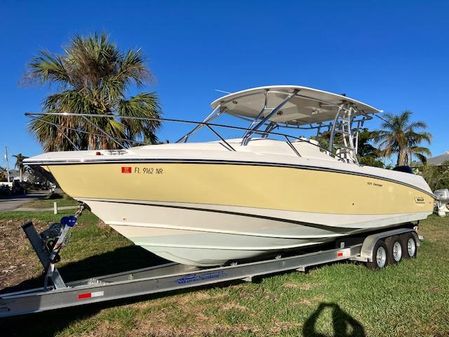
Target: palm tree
(401,136)
(93,76)
(20,165)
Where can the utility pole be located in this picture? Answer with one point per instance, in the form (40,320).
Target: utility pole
(7,163)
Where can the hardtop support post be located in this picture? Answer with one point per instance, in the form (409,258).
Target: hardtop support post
(261,111)
(214,114)
(250,132)
(270,127)
(343,125)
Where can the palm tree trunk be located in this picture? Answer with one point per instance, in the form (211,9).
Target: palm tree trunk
(402,158)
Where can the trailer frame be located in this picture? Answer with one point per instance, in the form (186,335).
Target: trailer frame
(57,294)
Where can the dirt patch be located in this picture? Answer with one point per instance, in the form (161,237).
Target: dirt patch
(279,327)
(301,286)
(310,301)
(234,306)
(102,225)
(204,296)
(104,329)
(180,300)
(18,262)
(206,326)
(305,301)
(197,328)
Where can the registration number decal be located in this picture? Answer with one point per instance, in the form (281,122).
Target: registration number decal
(142,170)
(148,170)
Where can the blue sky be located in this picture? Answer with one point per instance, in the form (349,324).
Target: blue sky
(393,55)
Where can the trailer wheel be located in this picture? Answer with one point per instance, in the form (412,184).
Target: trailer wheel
(394,249)
(379,259)
(410,247)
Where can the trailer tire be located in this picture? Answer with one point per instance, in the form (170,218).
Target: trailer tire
(379,259)
(409,245)
(395,249)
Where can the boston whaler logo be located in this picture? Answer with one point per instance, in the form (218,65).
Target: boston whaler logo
(419,200)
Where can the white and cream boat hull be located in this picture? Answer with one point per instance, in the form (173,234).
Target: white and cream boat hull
(213,206)
(214,236)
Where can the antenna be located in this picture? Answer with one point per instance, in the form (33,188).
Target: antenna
(222,91)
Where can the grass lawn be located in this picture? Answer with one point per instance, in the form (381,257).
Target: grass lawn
(48,203)
(411,299)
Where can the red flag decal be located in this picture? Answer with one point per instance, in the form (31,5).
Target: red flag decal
(84,296)
(90,295)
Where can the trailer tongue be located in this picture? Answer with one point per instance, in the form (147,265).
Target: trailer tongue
(56,293)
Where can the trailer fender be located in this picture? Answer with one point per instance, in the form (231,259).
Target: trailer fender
(370,241)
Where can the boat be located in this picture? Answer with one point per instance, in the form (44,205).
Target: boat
(233,199)
(442,201)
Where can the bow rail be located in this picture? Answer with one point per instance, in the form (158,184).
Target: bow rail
(126,143)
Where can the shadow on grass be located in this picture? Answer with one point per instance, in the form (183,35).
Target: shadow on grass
(51,322)
(343,324)
(116,261)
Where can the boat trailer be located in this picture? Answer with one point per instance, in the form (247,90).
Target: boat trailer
(56,293)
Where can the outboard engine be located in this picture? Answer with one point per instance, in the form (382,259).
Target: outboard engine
(442,201)
(404,168)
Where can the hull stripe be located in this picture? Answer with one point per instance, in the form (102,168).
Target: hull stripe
(335,229)
(344,229)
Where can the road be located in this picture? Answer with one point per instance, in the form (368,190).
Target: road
(17,201)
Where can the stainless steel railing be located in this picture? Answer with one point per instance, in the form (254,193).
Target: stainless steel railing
(122,143)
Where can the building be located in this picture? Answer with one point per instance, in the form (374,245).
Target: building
(438,160)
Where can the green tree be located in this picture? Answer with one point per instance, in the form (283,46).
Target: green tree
(93,76)
(402,137)
(2,174)
(367,153)
(20,165)
(323,139)
(436,176)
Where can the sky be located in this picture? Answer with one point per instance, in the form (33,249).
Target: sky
(393,55)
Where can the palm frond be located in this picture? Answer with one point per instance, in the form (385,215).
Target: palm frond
(95,76)
(417,125)
(421,150)
(422,158)
(47,67)
(144,105)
